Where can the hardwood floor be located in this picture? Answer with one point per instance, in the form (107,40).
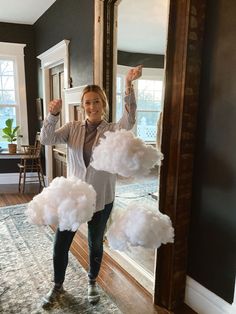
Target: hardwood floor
(9,194)
(129,296)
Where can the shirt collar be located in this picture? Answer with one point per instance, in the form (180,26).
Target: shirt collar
(101,125)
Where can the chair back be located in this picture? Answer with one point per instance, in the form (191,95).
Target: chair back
(33,151)
(37,145)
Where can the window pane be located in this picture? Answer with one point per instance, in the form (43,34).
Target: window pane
(8,98)
(6,113)
(149,94)
(6,67)
(118,84)
(119,99)
(7,83)
(157,95)
(147,125)
(119,109)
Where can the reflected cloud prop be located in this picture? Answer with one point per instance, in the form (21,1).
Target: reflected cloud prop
(122,153)
(66,202)
(140,225)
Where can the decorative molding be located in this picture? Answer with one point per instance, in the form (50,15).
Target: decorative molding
(108,50)
(98,42)
(203,301)
(56,55)
(12,49)
(72,97)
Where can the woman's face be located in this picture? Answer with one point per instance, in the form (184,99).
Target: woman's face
(93,106)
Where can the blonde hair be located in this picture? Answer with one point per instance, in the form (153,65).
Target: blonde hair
(97,89)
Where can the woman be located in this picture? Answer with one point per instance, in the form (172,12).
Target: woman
(81,138)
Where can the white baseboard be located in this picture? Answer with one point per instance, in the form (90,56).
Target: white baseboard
(13,178)
(9,178)
(203,301)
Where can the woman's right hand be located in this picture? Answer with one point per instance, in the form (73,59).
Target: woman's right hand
(55,106)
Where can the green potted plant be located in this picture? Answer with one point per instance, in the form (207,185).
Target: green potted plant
(11,135)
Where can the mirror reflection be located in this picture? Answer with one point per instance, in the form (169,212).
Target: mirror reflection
(141,39)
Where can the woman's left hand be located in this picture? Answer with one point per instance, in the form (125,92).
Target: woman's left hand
(134,74)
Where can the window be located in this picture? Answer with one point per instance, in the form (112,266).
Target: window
(12,89)
(149,94)
(119,95)
(7,95)
(149,98)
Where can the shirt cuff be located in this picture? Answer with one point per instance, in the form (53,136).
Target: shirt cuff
(52,118)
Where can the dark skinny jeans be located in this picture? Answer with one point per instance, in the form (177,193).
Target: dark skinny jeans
(63,240)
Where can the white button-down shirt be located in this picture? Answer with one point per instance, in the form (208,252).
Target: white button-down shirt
(73,134)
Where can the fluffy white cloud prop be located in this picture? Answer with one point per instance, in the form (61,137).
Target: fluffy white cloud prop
(140,225)
(66,202)
(122,153)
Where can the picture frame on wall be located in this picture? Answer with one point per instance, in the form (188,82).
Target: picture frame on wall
(39,108)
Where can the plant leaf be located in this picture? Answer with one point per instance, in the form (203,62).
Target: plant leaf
(9,123)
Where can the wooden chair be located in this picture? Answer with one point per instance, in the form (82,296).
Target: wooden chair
(30,163)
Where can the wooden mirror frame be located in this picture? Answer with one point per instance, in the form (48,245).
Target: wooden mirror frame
(183,64)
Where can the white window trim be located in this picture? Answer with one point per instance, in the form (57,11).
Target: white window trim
(14,51)
(56,55)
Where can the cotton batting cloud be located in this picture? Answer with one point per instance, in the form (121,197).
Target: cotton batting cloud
(122,153)
(140,225)
(66,202)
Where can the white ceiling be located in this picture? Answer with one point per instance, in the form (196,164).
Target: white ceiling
(23,11)
(142,25)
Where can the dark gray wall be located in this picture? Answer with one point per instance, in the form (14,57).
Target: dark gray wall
(18,33)
(212,245)
(134,59)
(72,20)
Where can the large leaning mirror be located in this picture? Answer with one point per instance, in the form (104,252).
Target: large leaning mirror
(140,38)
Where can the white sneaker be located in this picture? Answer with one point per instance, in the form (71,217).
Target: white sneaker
(52,297)
(93,293)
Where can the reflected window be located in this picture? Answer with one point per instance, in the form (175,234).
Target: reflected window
(119,95)
(149,95)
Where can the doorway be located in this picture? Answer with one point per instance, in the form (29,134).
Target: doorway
(56,79)
(53,57)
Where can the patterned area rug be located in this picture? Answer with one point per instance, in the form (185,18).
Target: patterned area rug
(26,270)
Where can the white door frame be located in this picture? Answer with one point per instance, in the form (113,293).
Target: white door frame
(56,55)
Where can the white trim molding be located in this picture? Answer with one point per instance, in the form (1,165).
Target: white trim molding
(58,54)
(9,178)
(13,178)
(72,98)
(204,301)
(15,51)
